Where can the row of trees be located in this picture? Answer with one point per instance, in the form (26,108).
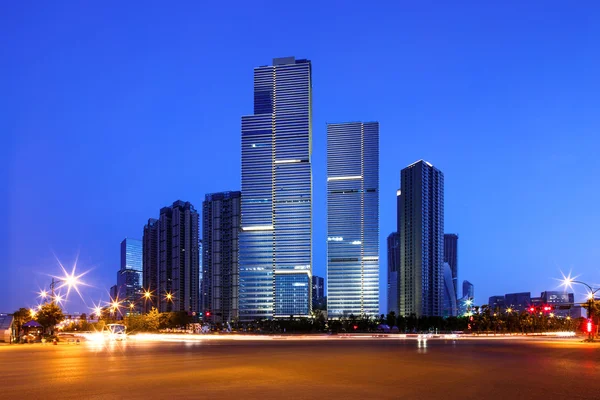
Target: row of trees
(484,321)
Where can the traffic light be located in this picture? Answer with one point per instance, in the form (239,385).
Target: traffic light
(207,313)
(547,308)
(355,327)
(589,326)
(532,309)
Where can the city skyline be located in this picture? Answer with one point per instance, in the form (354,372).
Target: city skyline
(443,96)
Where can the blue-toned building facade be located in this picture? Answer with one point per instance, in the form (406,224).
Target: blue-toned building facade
(275,244)
(353,219)
(393,262)
(129,277)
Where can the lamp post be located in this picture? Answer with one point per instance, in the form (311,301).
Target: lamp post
(568,281)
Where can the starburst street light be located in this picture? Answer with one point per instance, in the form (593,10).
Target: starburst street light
(69,280)
(43,294)
(568,282)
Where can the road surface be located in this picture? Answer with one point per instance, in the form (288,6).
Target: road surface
(285,368)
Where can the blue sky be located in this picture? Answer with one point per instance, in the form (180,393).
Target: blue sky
(111,111)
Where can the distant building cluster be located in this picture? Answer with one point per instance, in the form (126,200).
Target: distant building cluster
(559,304)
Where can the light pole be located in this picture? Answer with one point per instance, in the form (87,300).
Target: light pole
(568,282)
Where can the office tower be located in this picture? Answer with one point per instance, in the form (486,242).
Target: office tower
(518,301)
(178,259)
(557,298)
(451,256)
(468,290)
(275,247)
(318,289)
(496,303)
(421,240)
(129,277)
(220,230)
(449,307)
(353,219)
(150,264)
(393,261)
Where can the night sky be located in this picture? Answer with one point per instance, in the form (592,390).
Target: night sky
(112,110)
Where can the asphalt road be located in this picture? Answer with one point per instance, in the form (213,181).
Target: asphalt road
(303,369)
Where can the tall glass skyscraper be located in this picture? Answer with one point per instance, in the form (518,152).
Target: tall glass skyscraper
(129,277)
(353,219)
(451,256)
(421,240)
(275,244)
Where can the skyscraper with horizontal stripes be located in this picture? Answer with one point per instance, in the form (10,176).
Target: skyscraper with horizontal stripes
(275,246)
(353,219)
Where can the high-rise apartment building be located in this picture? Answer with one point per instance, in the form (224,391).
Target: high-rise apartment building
(353,219)
(451,256)
(220,273)
(129,277)
(178,259)
(275,245)
(393,263)
(421,240)
(150,264)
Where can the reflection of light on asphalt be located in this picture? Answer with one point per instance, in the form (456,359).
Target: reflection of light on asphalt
(422,344)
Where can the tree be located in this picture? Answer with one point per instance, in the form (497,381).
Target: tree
(391,319)
(152,320)
(49,315)
(21,316)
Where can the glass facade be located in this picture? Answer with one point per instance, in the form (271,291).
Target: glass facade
(353,219)
(275,244)
(450,308)
(451,256)
(129,277)
(393,262)
(421,240)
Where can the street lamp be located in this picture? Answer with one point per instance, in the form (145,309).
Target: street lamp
(568,282)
